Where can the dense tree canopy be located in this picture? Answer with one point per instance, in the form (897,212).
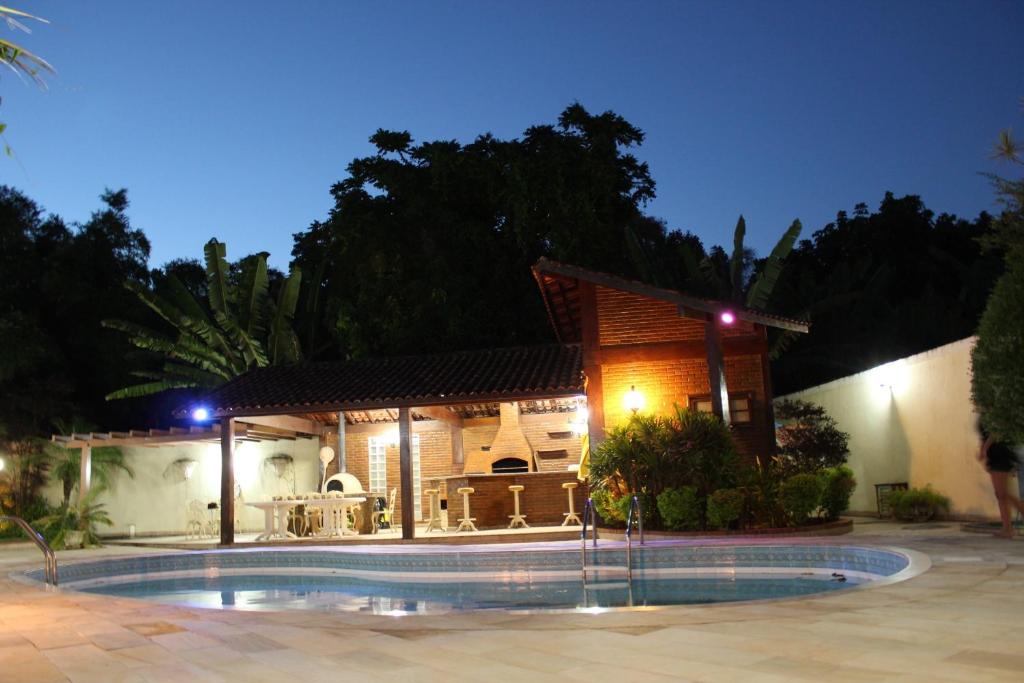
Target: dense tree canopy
(429,246)
(880,286)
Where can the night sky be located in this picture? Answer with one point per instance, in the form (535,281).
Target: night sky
(233,119)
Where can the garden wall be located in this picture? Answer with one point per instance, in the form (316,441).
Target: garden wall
(156,500)
(912,421)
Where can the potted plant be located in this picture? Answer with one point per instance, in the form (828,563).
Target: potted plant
(917,505)
(74,525)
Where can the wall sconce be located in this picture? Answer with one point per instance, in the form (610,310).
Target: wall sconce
(200,414)
(579,424)
(727,317)
(634,400)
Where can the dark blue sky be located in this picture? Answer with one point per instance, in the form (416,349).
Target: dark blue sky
(233,119)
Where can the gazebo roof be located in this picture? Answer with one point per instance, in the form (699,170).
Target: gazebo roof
(507,374)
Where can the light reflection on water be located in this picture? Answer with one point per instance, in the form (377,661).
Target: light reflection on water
(346,594)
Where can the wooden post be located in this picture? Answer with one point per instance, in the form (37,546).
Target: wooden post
(405,464)
(342,460)
(590,334)
(85,472)
(716,373)
(227,481)
(767,396)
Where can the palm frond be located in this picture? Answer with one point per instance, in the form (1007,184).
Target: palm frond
(737,260)
(251,349)
(217,275)
(282,343)
(761,291)
(148,389)
(253,297)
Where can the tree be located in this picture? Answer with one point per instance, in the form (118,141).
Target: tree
(18,59)
(243,326)
(997,382)
(106,463)
(429,245)
(809,440)
(881,285)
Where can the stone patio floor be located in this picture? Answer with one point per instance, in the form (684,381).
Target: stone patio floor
(959,621)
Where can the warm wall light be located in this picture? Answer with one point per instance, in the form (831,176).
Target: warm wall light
(634,399)
(727,317)
(579,424)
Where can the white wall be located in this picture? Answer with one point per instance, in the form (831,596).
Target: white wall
(155,501)
(912,420)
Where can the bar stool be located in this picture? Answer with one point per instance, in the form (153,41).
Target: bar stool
(517,519)
(571,517)
(466,522)
(435,510)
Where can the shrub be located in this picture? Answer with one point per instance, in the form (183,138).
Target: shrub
(808,438)
(800,495)
(725,506)
(680,508)
(761,484)
(837,487)
(608,506)
(917,505)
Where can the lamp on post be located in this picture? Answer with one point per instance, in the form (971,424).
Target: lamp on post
(634,400)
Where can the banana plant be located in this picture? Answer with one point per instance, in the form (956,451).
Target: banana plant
(241,328)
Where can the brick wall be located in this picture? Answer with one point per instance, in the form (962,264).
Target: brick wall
(627,318)
(543,500)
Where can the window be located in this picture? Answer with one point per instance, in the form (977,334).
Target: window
(378,464)
(377,446)
(739,407)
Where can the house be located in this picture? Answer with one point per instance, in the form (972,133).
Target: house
(493,418)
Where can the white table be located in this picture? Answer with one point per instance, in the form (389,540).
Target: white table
(275,518)
(335,514)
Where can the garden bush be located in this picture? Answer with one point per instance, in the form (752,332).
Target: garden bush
(917,505)
(837,487)
(808,438)
(608,506)
(799,496)
(680,509)
(725,506)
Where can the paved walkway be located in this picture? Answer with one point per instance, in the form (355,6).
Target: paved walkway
(960,621)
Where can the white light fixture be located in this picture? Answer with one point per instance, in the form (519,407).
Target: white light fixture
(634,400)
(727,317)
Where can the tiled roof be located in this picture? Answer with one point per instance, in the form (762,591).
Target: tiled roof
(508,374)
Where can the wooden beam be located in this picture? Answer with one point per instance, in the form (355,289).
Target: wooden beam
(716,373)
(342,453)
(770,444)
(590,337)
(405,464)
(85,473)
(661,351)
(439,413)
(288,423)
(227,481)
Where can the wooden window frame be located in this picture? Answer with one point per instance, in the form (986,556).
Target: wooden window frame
(693,400)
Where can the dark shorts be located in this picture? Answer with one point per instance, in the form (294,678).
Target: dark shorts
(1000,458)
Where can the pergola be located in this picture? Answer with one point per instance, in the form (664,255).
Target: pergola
(305,398)
(254,429)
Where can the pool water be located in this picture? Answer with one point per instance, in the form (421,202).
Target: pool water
(349,594)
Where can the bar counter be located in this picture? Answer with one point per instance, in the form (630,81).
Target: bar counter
(543,501)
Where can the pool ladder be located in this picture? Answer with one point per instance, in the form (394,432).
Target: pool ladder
(49,559)
(635,517)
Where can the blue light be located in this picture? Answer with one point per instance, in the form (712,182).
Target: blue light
(200,414)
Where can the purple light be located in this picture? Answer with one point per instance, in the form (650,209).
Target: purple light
(200,414)
(727,318)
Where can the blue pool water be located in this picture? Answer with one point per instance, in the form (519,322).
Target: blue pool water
(346,594)
(433,579)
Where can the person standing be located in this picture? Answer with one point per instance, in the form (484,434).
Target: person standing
(1000,461)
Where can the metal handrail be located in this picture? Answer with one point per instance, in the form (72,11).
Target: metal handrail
(589,515)
(634,505)
(50,565)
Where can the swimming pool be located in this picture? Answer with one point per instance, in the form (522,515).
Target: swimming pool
(429,580)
